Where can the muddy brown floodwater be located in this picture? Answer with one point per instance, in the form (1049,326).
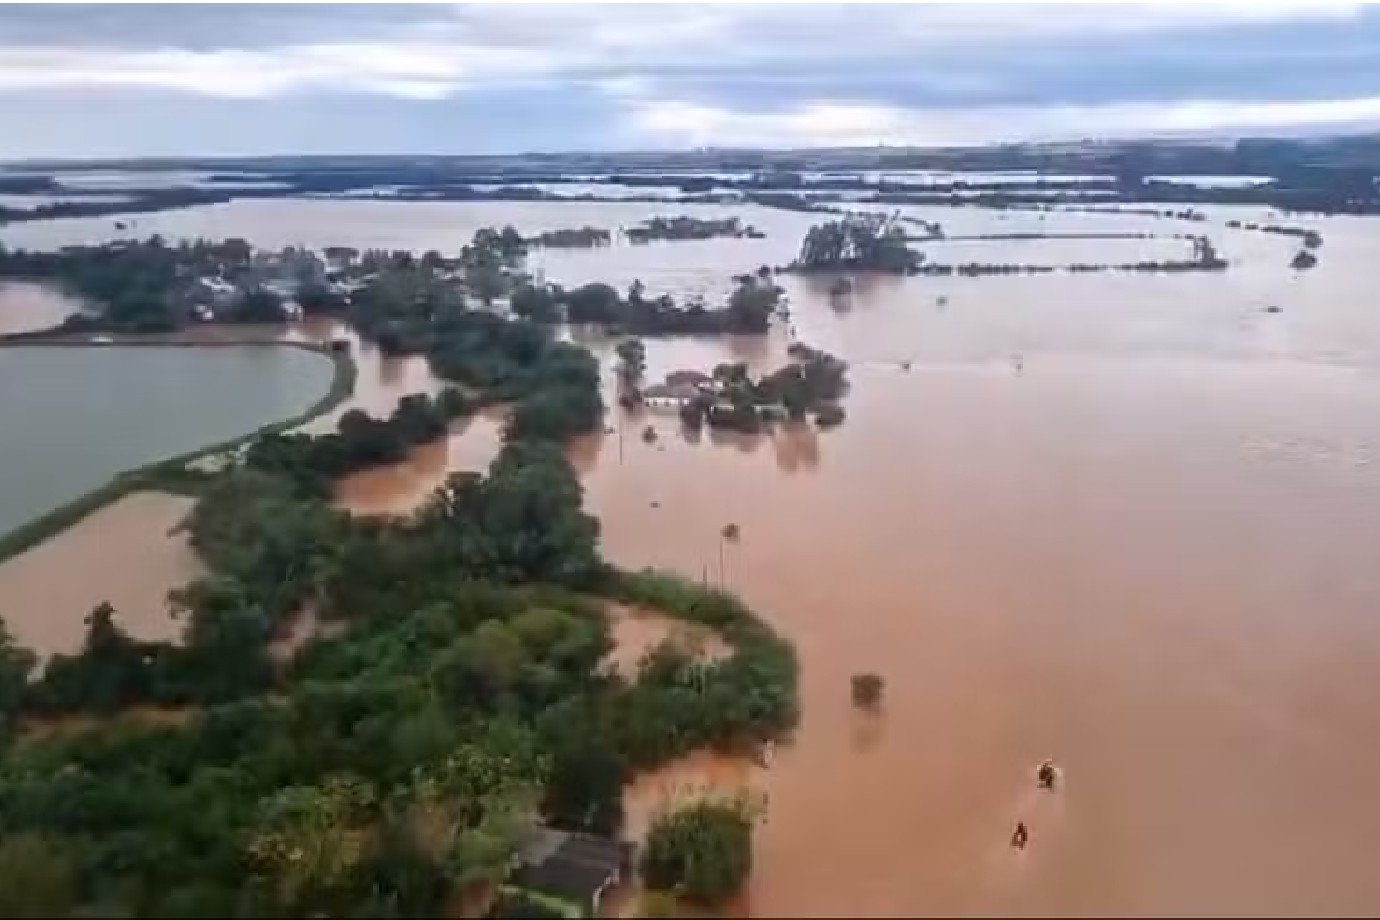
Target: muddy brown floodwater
(129,553)
(636,632)
(26,307)
(1144,549)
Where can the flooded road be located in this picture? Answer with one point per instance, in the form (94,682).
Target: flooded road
(1145,550)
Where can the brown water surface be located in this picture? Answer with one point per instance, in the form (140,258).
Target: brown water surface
(128,553)
(636,632)
(26,307)
(1145,549)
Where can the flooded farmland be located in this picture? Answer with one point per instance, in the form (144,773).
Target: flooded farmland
(1144,549)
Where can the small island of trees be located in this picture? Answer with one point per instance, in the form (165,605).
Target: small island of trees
(812,383)
(584,237)
(857,242)
(1303,259)
(749,308)
(879,242)
(689,228)
(700,853)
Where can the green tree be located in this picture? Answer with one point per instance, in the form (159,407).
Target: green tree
(111,670)
(858,241)
(632,357)
(537,304)
(259,306)
(702,852)
(369,440)
(312,841)
(38,875)
(472,808)
(224,650)
(593,303)
(452,403)
(417,419)
(588,770)
(751,304)
(16,664)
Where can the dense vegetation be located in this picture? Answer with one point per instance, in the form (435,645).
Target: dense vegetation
(869,242)
(553,385)
(358,442)
(584,237)
(689,228)
(456,693)
(749,309)
(151,286)
(408,304)
(385,771)
(812,382)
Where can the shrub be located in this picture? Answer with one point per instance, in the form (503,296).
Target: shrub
(702,852)
(867,690)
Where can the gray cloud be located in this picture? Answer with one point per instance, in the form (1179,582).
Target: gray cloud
(653,75)
(197,27)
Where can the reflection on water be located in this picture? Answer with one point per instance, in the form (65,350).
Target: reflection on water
(797,447)
(1039,566)
(1148,555)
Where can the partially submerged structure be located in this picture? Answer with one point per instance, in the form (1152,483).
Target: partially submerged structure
(670,396)
(574,871)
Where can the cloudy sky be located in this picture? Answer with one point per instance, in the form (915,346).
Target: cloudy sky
(120,80)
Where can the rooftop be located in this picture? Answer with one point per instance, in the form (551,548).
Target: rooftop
(670,391)
(576,867)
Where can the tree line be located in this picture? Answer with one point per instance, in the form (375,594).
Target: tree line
(753,301)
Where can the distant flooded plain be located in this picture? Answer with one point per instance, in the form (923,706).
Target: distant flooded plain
(1125,521)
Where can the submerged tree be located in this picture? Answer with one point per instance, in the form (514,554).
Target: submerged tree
(632,360)
(1304,259)
(702,852)
(867,690)
(874,242)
